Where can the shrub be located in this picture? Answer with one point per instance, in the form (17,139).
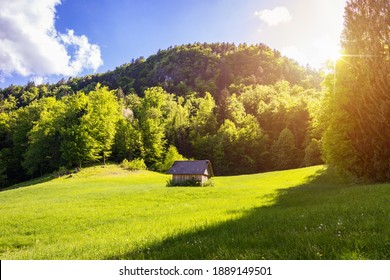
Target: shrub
(61,172)
(135,164)
(189,183)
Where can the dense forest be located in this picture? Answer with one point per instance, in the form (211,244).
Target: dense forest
(246,108)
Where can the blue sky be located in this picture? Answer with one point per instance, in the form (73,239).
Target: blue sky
(45,40)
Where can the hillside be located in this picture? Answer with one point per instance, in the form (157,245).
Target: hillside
(246,108)
(110,213)
(184,69)
(208,67)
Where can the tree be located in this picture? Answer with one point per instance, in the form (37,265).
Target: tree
(203,128)
(170,157)
(313,153)
(21,123)
(284,152)
(5,145)
(77,145)
(225,154)
(152,127)
(100,120)
(205,122)
(43,151)
(240,148)
(3,168)
(128,139)
(252,146)
(177,124)
(235,110)
(4,129)
(358,100)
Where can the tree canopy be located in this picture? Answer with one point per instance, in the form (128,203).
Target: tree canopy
(357,105)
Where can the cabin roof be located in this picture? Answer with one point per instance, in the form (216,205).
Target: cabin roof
(191,167)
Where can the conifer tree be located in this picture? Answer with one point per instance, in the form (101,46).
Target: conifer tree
(357,130)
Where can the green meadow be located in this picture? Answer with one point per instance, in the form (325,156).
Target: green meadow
(111,213)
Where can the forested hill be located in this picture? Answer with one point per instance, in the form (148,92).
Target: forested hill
(208,67)
(181,70)
(246,108)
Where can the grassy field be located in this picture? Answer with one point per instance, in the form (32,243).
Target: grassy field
(110,213)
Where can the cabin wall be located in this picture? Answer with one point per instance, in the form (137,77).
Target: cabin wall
(182,178)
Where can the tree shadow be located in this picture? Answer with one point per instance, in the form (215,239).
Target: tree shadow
(43,179)
(305,222)
(36,181)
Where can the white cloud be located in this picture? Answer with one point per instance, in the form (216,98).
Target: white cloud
(31,46)
(86,55)
(275,16)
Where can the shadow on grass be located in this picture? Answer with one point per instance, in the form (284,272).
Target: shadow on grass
(40,180)
(322,219)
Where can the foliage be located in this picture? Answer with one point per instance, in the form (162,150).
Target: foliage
(5,144)
(313,153)
(357,105)
(3,169)
(284,153)
(188,183)
(77,145)
(151,125)
(102,114)
(208,68)
(171,156)
(43,151)
(62,171)
(135,164)
(128,142)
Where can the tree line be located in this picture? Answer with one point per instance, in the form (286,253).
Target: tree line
(254,128)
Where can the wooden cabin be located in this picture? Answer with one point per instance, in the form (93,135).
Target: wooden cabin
(186,170)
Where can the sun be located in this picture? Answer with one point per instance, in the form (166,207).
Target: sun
(335,54)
